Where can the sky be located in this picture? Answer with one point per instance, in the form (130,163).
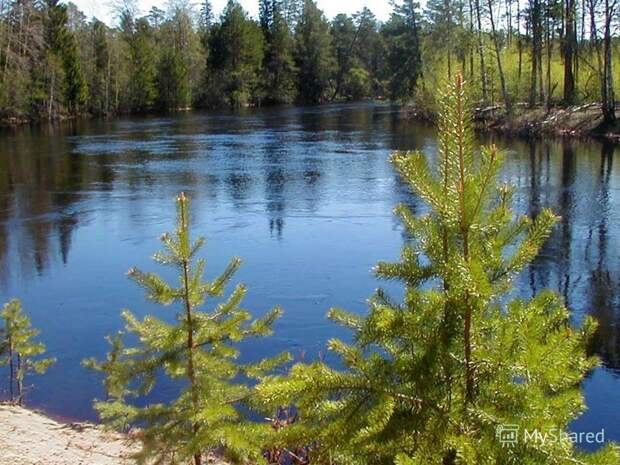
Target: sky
(102,8)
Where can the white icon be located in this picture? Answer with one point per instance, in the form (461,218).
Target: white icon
(507,435)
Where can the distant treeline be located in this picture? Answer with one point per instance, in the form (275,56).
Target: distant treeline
(56,62)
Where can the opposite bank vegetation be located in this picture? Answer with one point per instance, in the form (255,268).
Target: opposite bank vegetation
(56,63)
(577,121)
(429,379)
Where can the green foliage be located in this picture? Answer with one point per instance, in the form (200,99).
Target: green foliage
(404,59)
(172,82)
(19,351)
(62,42)
(236,52)
(278,79)
(53,61)
(313,55)
(431,379)
(197,350)
(138,36)
(99,85)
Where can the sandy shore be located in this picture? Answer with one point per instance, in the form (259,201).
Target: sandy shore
(30,438)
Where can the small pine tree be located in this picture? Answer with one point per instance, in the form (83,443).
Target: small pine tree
(196,350)
(433,379)
(19,351)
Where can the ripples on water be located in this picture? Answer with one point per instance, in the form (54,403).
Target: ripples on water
(304,196)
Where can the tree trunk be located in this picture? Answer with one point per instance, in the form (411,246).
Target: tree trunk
(11,369)
(191,375)
(607,88)
(550,35)
(502,78)
(20,380)
(535,15)
(569,52)
(471,30)
(519,46)
(483,73)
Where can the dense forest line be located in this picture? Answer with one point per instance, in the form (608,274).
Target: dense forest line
(56,62)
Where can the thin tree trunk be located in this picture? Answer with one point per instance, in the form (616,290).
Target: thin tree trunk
(469,369)
(20,381)
(607,91)
(569,52)
(483,73)
(471,30)
(11,368)
(502,78)
(191,375)
(536,46)
(550,35)
(519,46)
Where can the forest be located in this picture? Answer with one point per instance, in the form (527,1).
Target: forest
(57,63)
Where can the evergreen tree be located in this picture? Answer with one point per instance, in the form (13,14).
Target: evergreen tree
(205,30)
(173,74)
(404,58)
(138,36)
(196,350)
(313,55)
(19,351)
(278,65)
(265,15)
(344,36)
(432,379)
(235,57)
(370,49)
(63,44)
(172,88)
(442,16)
(292,10)
(206,15)
(100,80)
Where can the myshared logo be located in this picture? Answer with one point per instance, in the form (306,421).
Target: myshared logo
(510,435)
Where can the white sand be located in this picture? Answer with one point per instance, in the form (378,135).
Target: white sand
(29,438)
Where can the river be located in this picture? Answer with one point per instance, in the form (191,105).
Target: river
(303,195)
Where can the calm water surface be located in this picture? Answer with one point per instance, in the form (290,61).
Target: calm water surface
(304,196)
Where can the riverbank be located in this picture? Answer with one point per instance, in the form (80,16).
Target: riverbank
(580,121)
(30,438)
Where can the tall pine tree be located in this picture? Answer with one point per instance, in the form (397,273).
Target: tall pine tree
(432,379)
(278,79)
(63,44)
(404,56)
(235,57)
(313,55)
(197,350)
(138,36)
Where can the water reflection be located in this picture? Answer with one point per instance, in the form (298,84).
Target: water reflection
(41,186)
(304,195)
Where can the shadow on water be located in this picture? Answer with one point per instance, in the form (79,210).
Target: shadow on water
(304,195)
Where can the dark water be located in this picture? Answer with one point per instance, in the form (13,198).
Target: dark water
(304,196)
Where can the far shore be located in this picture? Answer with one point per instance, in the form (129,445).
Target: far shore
(578,121)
